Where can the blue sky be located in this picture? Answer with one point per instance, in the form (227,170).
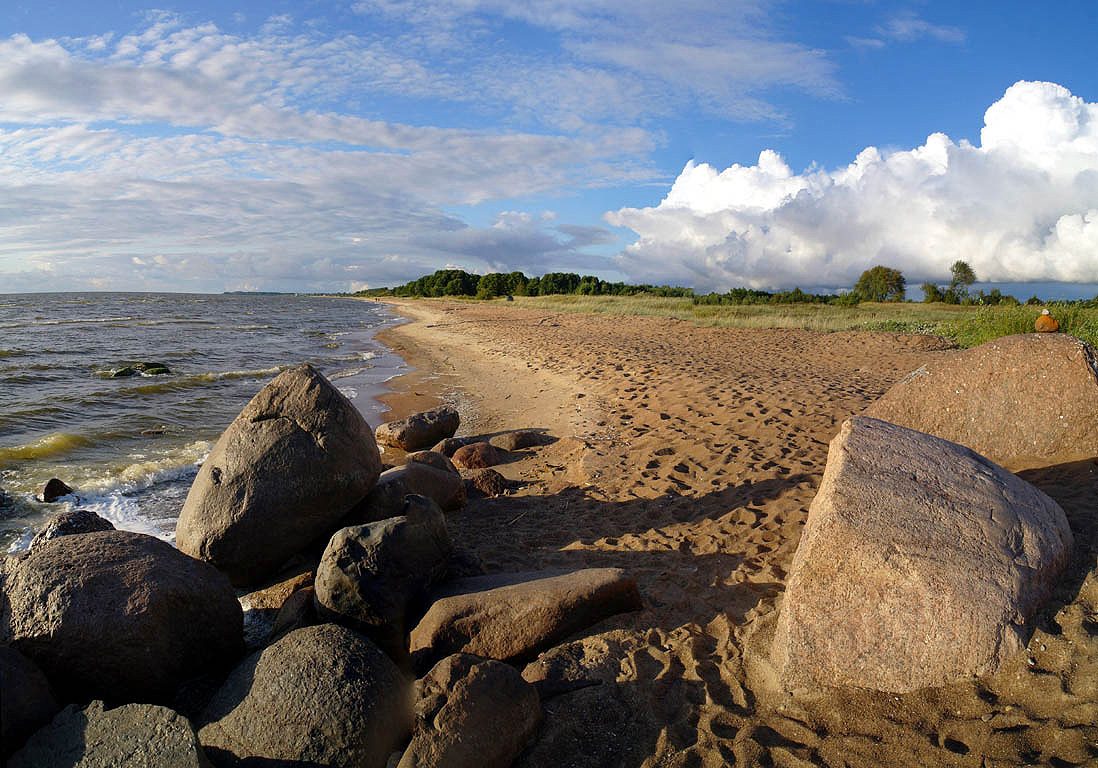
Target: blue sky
(339,145)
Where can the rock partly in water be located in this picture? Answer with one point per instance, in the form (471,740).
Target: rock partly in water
(420,430)
(295,461)
(130,736)
(476,456)
(514,616)
(118,615)
(26,700)
(471,713)
(487,482)
(1024,400)
(920,563)
(516,441)
(369,575)
(71,523)
(321,695)
(54,489)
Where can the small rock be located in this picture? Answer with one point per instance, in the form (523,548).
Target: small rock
(425,473)
(515,441)
(133,735)
(54,489)
(421,430)
(71,523)
(1046,323)
(449,445)
(514,616)
(487,482)
(471,713)
(476,456)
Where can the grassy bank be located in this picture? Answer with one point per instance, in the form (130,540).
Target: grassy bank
(967,326)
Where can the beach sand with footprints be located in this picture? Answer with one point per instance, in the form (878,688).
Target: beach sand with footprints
(688,457)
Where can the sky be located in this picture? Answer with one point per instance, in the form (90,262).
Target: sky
(335,146)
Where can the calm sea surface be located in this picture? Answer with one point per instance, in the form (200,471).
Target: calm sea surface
(131,446)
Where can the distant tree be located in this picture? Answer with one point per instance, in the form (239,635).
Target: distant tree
(932,293)
(1033,300)
(881,284)
(963,277)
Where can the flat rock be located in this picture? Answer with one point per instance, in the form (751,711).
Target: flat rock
(1024,400)
(295,461)
(476,456)
(516,441)
(448,445)
(27,700)
(471,713)
(118,615)
(70,523)
(420,430)
(921,563)
(130,736)
(514,616)
(370,574)
(321,695)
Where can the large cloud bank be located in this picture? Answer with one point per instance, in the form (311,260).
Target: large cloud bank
(1022,206)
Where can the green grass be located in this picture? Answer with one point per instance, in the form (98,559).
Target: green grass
(967,326)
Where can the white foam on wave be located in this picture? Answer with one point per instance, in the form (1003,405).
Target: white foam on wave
(343,374)
(349,392)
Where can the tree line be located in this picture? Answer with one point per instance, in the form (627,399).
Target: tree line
(878,283)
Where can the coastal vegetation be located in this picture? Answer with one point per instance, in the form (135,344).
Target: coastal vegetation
(874,304)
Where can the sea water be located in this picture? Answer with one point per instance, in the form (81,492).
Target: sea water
(130,446)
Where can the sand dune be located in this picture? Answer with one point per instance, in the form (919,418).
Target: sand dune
(689,457)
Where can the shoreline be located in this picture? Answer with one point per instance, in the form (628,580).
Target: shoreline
(688,457)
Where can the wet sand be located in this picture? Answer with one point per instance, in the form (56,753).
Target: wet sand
(689,456)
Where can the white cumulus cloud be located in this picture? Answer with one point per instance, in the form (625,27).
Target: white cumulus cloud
(1022,206)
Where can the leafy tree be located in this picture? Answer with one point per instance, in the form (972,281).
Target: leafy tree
(963,277)
(881,284)
(931,293)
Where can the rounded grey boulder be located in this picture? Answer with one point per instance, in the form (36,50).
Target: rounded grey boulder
(420,430)
(295,461)
(321,695)
(118,615)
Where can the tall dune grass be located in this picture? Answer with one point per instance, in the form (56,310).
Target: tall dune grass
(967,326)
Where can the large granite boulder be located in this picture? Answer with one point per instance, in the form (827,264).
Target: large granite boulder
(921,563)
(70,523)
(471,713)
(321,695)
(514,616)
(425,473)
(295,461)
(131,736)
(369,575)
(118,615)
(1024,400)
(420,430)
(26,701)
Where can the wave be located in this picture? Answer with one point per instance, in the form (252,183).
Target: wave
(342,374)
(175,382)
(12,353)
(54,444)
(357,356)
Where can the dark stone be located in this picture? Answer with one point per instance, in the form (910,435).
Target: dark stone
(370,574)
(321,695)
(71,523)
(54,489)
(131,735)
(26,700)
(448,446)
(118,615)
(421,430)
(471,713)
(487,482)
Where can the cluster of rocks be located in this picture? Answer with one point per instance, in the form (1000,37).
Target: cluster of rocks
(119,649)
(923,561)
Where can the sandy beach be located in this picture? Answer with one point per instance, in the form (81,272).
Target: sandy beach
(689,456)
